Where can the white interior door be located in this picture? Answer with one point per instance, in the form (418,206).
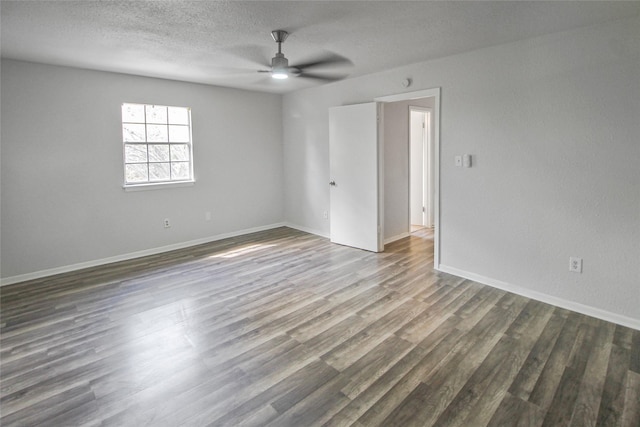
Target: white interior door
(355,187)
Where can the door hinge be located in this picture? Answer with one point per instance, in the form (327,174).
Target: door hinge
(423,209)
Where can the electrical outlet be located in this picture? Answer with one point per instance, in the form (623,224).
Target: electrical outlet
(167,223)
(325,214)
(575,264)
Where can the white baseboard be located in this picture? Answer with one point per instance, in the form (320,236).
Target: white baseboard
(397,237)
(306,230)
(549,299)
(124,257)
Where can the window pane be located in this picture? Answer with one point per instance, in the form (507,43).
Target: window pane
(179,152)
(136,173)
(133,113)
(180,170)
(133,133)
(156,114)
(159,172)
(135,153)
(178,116)
(179,134)
(157,133)
(158,152)
(157,143)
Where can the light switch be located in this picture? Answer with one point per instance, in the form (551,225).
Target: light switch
(458,161)
(466,160)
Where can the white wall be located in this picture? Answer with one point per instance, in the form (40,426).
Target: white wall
(62,197)
(553,125)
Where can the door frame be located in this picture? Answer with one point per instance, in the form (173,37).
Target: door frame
(427,166)
(427,93)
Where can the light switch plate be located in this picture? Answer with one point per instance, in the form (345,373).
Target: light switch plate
(466,160)
(458,161)
(575,264)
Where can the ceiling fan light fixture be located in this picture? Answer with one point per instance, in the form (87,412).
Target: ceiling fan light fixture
(279,66)
(279,74)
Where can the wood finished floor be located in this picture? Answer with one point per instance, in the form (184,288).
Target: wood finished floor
(282,328)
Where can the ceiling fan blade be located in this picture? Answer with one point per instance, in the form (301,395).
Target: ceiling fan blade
(322,78)
(332,59)
(229,71)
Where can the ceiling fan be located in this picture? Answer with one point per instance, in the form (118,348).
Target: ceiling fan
(280,68)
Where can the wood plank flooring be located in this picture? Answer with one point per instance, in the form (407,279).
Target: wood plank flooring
(283,328)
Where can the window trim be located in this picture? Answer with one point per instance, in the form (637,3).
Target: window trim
(158,185)
(154,185)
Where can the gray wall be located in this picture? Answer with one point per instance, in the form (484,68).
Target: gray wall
(552,123)
(62,197)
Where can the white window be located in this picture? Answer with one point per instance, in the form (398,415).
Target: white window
(157,144)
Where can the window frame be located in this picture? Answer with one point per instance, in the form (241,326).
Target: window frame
(156,184)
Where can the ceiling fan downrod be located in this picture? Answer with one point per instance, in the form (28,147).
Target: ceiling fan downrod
(279,64)
(279,36)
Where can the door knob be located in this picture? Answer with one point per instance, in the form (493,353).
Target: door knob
(332,183)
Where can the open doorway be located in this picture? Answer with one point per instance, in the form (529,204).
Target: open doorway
(387,124)
(420,169)
(394,133)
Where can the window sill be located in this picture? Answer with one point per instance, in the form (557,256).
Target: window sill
(158,186)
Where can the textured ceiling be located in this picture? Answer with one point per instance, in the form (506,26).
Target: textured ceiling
(225,43)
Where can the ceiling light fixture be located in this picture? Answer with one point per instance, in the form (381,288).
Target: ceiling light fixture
(280,69)
(279,64)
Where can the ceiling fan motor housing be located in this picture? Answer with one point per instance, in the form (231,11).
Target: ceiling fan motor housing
(279,62)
